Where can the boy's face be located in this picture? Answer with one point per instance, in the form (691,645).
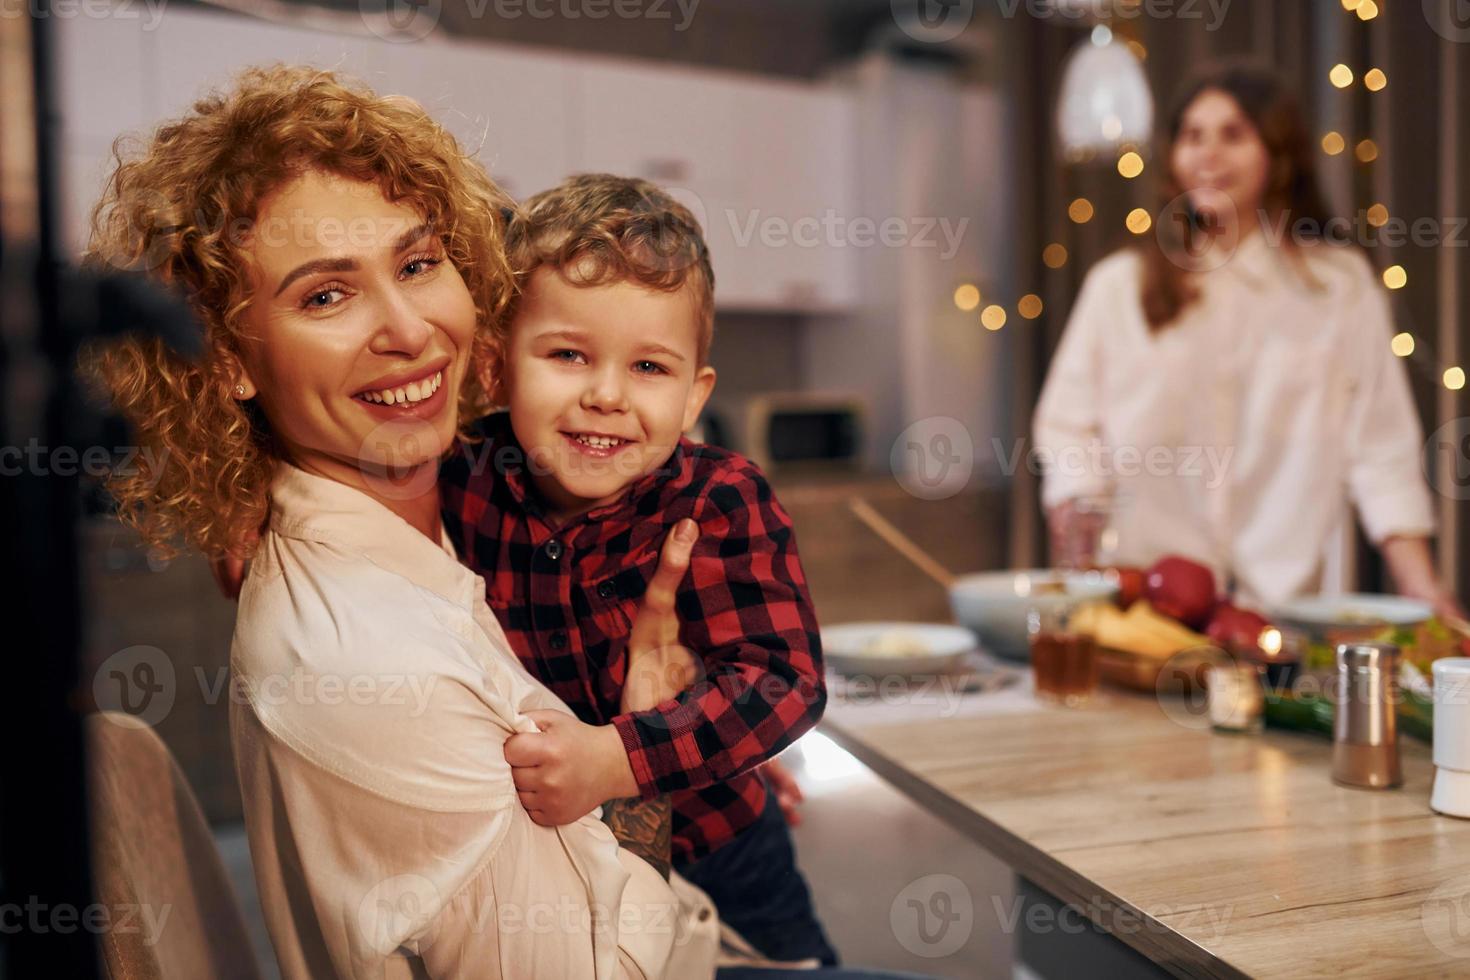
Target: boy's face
(602,381)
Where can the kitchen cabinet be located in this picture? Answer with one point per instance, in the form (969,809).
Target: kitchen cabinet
(766,165)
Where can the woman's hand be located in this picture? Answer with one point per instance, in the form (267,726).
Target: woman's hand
(658,666)
(569,768)
(1411,563)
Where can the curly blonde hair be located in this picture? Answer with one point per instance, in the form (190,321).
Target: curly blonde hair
(179,206)
(596,229)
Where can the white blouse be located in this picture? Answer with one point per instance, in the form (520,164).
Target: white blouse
(376,691)
(1236,435)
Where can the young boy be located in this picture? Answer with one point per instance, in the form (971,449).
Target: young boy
(562,509)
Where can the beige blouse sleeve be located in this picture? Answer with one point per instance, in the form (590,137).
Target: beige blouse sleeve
(386,833)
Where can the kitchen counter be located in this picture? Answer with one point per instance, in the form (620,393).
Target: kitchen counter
(1212,855)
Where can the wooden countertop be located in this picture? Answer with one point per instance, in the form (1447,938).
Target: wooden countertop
(1213,855)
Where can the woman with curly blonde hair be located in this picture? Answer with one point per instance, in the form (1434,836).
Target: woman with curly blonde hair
(345,258)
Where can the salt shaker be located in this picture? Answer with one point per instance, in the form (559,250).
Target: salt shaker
(1452,737)
(1365,750)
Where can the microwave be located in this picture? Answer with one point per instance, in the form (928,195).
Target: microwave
(803,430)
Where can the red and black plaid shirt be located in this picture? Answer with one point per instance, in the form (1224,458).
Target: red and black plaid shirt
(567,598)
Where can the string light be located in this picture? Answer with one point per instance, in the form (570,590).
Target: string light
(1367,151)
(1054,255)
(1340,75)
(993,317)
(1375,80)
(967,297)
(1378,216)
(1130,165)
(1366,10)
(1350,5)
(1403,344)
(1139,221)
(1333,143)
(1454,378)
(1030,306)
(1394,277)
(1080,211)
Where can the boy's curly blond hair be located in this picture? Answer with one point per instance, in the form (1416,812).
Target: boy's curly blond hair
(596,229)
(179,206)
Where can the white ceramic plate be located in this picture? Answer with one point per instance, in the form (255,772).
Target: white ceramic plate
(1323,612)
(904,649)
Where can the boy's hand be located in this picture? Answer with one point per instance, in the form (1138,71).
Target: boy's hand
(788,792)
(658,666)
(569,768)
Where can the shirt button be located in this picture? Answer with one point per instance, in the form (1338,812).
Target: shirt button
(553,550)
(606,590)
(558,640)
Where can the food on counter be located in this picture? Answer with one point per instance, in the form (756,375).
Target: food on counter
(1182,589)
(1420,645)
(1235,628)
(896,643)
(1131,583)
(1141,630)
(1313,713)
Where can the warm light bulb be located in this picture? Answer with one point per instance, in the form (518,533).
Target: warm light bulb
(1340,75)
(1333,143)
(1030,306)
(967,297)
(1367,10)
(1402,344)
(1367,151)
(1454,378)
(1130,165)
(1139,221)
(1378,216)
(1054,255)
(993,317)
(1080,211)
(1375,80)
(1350,5)
(1394,277)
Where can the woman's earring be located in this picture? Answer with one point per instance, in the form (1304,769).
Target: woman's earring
(239,391)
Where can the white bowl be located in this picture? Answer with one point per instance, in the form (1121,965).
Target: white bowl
(857,648)
(1319,613)
(995,604)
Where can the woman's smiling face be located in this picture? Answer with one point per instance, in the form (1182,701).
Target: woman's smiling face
(359,330)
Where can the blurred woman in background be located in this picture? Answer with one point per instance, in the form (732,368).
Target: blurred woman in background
(1226,389)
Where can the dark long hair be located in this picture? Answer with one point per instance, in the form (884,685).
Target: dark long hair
(1292,190)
